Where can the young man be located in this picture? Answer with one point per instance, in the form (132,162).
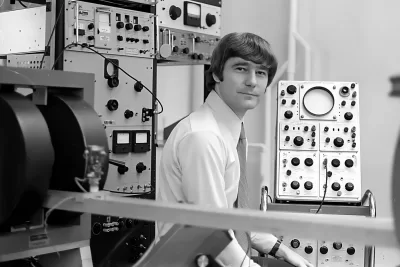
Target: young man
(201,161)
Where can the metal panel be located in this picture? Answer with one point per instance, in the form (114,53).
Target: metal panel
(19,36)
(31,61)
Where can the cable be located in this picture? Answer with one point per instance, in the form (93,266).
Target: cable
(109,61)
(78,182)
(270,198)
(51,35)
(2,3)
(326,185)
(22,4)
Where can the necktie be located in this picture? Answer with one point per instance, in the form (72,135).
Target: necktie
(242,200)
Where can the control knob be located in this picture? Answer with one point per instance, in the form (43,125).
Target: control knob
(349,187)
(200,56)
(305,128)
(349,163)
(113,82)
(129,223)
(348,116)
(186,50)
(112,105)
(283,101)
(210,20)
(145,28)
(335,186)
(323,250)
(308,249)
(120,25)
(122,169)
(337,245)
(137,27)
(138,87)
(295,161)
(197,39)
(298,140)
(338,142)
(308,162)
(286,127)
(120,38)
(288,114)
(140,167)
(121,223)
(90,26)
(291,89)
(308,185)
(174,12)
(295,243)
(129,26)
(295,185)
(175,49)
(194,56)
(335,163)
(128,114)
(351,251)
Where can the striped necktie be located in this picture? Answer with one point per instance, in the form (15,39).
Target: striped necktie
(242,200)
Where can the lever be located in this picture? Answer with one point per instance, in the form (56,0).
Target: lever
(122,169)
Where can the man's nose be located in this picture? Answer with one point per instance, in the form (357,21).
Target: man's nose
(251,79)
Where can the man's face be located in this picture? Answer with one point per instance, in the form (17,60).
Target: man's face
(243,84)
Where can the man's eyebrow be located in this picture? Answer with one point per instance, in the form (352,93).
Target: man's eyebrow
(244,63)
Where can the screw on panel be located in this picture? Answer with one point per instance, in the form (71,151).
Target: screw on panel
(302,116)
(334,117)
(302,86)
(334,87)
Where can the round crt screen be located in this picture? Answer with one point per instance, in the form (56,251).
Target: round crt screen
(318,101)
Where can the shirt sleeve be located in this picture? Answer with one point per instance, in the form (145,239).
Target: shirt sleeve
(263,242)
(202,159)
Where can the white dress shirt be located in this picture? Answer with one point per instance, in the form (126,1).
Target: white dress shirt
(200,165)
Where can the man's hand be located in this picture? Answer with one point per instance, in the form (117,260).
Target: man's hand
(288,255)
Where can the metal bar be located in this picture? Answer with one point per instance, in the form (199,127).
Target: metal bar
(354,229)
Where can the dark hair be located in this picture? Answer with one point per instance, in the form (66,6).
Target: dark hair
(248,46)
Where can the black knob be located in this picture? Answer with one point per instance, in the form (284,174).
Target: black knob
(128,114)
(200,56)
(194,56)
(113,82)
(295,161)
(288,172)
(140,167)
(145,41)
(329,173)
(348,116)
(112,104)
(293,101)
(326,129)
(337,245)
(338,142)
(345,90)
(282,93)
(308,162)
(349,163)
(349,187)
(323,250)
(197,39)
(135,40)
(295,185)
(295,243)
(122,169)
(138,86)
(308,185)
(120,25)
(343,103)
(129,223)
(129,26)
(90,37)
(121,223)
(145,28)
(327,140)
(96,229)
(291,89)
(351,251)
(298,140)
(335,163)
(313,134)
(90,26)
(120,38)
(313,128)
(346,129)
(353,103)
(335,186)
(353,145)
(174,12)
(175,49)
(353,135)
(283,101)
(286,127)
(186,50)
(313,143)
(288,114)
(354,94)
(210,20)
(287,138)
(308,249)
(137,27)
(305,128)
(353,85)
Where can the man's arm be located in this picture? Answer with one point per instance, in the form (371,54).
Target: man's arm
(202,158)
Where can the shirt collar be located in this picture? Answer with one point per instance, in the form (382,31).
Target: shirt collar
(224,114)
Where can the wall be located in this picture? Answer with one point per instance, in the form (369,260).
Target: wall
(358,41)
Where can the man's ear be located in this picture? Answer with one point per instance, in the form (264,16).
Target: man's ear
(216,79)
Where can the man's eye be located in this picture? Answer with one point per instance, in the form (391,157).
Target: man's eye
(263,73)
(240,69)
